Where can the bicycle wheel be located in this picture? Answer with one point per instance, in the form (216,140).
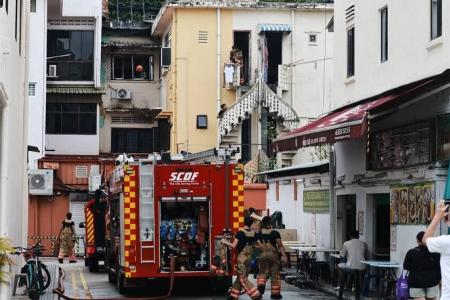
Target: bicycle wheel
(43,277)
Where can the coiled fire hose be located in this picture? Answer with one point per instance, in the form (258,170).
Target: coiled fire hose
(60,290)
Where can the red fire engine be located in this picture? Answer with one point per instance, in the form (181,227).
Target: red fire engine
(156,211)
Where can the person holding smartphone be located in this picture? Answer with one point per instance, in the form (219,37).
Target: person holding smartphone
(441,245)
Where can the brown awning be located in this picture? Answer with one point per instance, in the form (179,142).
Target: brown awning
(350,122)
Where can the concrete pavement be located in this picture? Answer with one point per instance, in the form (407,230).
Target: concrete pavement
(80,283)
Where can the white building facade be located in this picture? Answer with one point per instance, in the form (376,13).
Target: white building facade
(377,50)
(13,125)
(388,122)
(308,55)
(37,81)
(73,63)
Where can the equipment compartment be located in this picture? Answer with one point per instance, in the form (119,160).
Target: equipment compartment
(184,232)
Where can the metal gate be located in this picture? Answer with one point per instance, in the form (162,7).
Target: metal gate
(77,210)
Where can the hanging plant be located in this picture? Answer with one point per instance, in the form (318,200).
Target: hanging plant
(5,259)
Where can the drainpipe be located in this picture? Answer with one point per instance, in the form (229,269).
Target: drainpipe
(218,53)
(292,57)
(332,172)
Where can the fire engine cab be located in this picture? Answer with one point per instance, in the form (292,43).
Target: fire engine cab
(156,211)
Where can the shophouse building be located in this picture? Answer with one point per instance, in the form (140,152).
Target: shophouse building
(389,125)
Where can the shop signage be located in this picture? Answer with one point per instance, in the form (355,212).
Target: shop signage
(317,201)
(412,203)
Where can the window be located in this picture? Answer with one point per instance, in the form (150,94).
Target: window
(351,52)
(71,52)
(436,18)
(81,172)
(32,89)
(4,3)
(401,147)
(132,67)
(384,34)
(33,6)
(133,140)
(312,38)
(443,135)
(202,121)
(71,118)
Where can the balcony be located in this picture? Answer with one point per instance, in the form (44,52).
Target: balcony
(232,75)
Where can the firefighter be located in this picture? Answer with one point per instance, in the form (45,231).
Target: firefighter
(270,245)
(244,243)
(256,225)
(67,239)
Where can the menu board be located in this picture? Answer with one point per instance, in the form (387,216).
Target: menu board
(401,147)
(317,201)
(412,203)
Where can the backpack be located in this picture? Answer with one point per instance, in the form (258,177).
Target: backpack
(402,288)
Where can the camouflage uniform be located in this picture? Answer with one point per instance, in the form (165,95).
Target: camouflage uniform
(269,262)
(67,238)
(246,239)
(219,266)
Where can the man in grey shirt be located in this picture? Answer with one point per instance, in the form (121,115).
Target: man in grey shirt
(355,251)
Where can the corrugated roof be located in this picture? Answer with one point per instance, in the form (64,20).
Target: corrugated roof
(298,168)
(128,42)
(74,90)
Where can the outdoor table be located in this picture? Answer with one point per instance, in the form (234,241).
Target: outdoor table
(307,255)
(289,251)
(386,268)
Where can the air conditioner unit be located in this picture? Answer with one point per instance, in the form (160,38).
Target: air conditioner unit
(52,71)
(123,94)
(40,182)
(165,57)
(95,179)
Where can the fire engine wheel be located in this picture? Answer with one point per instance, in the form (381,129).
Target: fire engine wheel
(111,276)
(221,285)
(121,283)
(93,265)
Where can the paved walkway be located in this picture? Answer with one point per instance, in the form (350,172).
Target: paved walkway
(80,283)
(48,295)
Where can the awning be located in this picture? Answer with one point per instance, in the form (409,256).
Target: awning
(350,122)
(274,27)
(300,169)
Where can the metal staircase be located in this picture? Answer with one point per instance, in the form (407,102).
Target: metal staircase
(259,95)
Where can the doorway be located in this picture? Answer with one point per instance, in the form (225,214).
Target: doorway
(246,140)
(346,218)
(381,227)
(274,49)
(241,41)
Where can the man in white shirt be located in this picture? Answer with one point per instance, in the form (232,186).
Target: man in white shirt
(355,251)
(440,244)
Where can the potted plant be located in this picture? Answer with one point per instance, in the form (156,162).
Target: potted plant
(5,259)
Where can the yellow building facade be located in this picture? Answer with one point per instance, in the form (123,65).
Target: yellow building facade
(193,87)
(282,50)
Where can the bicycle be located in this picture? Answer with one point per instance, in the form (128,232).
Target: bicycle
(37,272)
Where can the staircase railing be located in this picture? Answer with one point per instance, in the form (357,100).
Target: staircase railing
(276,104)
(234,115)
(259,94)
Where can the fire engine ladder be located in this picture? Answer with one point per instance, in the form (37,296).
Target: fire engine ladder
(146,210)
